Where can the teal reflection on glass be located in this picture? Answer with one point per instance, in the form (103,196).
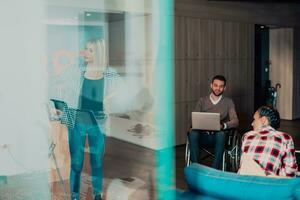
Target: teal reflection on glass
(164,105)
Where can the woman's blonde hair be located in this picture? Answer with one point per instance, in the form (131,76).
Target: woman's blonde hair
(99,53)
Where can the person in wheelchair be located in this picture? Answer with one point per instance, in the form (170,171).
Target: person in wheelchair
(215,102)
(272,150)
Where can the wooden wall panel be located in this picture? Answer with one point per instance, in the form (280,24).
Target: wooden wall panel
(243,84)
(234,83)
(192,38)
(180,37)
(242,12)
(236,41)
(204,33)
(220,67)
(281,69)
(250,41)
(204,78)
(230,40)
(193,79)
(211,39)
(222,48)
(210,69)
(219,39)
(250,75)
(243,41)
(180,80)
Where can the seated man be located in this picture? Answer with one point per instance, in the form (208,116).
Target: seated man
(215,103)
(271,149)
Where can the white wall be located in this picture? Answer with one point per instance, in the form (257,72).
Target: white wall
(23,88)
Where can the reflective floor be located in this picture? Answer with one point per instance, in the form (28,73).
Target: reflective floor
(129,172)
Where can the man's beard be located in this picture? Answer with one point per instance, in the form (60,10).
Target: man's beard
(217,94)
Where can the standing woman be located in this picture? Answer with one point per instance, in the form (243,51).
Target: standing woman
(94,89)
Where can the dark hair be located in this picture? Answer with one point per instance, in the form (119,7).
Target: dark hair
(219,77)
(272,115)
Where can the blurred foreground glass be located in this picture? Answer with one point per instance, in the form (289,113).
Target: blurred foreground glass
(138,156)
(23,90)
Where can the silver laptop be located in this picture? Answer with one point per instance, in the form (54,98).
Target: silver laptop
(206,121)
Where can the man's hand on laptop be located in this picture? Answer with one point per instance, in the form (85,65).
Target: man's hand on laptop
(223,126)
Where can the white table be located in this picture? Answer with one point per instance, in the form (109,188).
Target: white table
(139,133)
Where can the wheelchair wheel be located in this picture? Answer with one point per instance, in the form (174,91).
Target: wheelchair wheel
(231,157)
(226,162)
(235,152)
(187,153)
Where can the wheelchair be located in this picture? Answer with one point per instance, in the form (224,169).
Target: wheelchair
(231,155)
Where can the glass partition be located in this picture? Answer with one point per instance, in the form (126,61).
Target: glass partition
(99,89)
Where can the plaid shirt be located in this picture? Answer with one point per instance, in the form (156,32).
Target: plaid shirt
(272,150)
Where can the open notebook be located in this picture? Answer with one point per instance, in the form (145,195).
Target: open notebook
(70,116)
